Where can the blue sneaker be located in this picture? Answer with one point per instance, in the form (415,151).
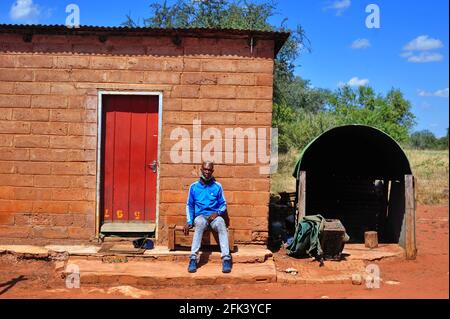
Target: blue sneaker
(226,265)
(192,265)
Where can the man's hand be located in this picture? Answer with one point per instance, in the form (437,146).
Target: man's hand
(186,229)
(212,217)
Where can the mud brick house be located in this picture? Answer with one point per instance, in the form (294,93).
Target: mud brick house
(87,122)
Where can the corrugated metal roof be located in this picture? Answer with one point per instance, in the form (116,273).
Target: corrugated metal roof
(279,37)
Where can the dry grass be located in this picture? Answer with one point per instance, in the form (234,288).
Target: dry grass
(429,167)
(431,171)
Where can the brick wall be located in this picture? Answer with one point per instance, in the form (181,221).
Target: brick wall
(48,126)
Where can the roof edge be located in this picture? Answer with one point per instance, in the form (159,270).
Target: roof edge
(279,37)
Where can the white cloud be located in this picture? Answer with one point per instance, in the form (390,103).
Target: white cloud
(360,44)
(438,93)
(24,10)
(339,5)
(425,57)
(423,43)
(355,81)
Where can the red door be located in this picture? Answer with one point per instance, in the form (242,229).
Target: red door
(130,138)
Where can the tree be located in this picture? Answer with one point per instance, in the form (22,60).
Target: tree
(390,113)
(423,140)
(247,14)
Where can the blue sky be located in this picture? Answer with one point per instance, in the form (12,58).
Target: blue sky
(408,51)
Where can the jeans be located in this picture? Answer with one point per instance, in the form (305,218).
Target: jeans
(218,225)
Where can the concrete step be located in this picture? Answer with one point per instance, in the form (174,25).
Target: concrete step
(165,273)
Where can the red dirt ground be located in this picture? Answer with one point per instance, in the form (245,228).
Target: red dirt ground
(425,277)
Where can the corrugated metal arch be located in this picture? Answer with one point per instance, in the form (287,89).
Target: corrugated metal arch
(357,149)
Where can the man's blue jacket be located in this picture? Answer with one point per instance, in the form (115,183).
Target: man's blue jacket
(205,199)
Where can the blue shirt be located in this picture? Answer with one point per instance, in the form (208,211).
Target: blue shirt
(205,199)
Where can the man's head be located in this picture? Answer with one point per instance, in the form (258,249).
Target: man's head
(207,170)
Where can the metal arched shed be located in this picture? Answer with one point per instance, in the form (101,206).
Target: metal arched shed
(360,175)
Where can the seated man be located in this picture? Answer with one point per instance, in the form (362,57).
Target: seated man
(206,206)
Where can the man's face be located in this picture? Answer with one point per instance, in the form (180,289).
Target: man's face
(207,170)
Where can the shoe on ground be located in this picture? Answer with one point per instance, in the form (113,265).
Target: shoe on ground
(226,265)
(192,265)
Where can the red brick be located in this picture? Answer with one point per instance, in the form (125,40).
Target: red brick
(63,220)
(6,87)
(48,155)
(14,101)
(6,219)
(69,194)
(173,65)
(89,76)
(70,62)
(74,168)
(33,168)
(235,105)
(261,184)
(264,106)
(125,76)
(192,65)
(67,115)
(255,66)
(172,209)
(6,140)
(215,65)
(80,233)
(49,102)
(199,105)
(173,196)
(17,206)
(52,75)
(172,104)
(254,92)
(31,141)
(30,115)
(106,63)
(49,128)
(199,78)
(217,118)
(251,197)
(35,61)
(243,235)
(145,63)
(82,207)
(7,61)
(218,91)
(82,129)
(16,75)
(64,89)
(52,181)
(5,114)
(236,79)
(185,91)
(32,88)
(7,167)
(162,78)
(264,80)
(7,154)
(83,182)
(259,119)
(81,155)
(76,142)
(53,232)
(6,192)
(14,231)
(32,193)
(50,207)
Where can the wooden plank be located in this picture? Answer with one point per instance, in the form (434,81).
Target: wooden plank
(410,212)
(137,159)
(301,205)
(171,237)
(151,155)
(117,227)
(122,159)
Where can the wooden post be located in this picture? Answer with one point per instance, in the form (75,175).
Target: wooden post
(371,239)
(171,237)
(410,218)
(301,205)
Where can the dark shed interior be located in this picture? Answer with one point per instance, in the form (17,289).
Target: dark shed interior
(356,173)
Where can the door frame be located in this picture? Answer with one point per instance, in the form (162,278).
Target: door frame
(99,176)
